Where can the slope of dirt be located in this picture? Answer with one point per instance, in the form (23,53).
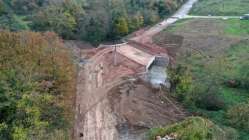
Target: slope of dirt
(99,91)
(138,107)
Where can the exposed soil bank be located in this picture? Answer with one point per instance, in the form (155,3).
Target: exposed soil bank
(138,107)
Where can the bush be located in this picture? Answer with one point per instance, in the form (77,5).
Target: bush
(193,128)
(239,116)
(211,102)
(180,80)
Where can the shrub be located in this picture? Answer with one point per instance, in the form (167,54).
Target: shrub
(211,102)
(180,80)
(239,116)
(193,128)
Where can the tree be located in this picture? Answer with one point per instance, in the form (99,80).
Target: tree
(136,22)
(150,17)
(162,8)
(121,26)
(57,19)
(72,18)
(94,31)
(12,23)
(2,8)
(36,94)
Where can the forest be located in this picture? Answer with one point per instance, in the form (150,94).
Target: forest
(89,20)
(36,95)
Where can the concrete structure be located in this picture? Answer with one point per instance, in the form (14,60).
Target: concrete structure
(157,72)
(136,55)
(154,66)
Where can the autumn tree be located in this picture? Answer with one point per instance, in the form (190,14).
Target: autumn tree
(36,87)
(121,26)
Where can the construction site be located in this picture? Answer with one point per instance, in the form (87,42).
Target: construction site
(120,92)
(122,88)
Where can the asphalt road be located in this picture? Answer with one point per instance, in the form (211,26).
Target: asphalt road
(180,14)
(212,17)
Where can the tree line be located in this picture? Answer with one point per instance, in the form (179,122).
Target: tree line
(90,20)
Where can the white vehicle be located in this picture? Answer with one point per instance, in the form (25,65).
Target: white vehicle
(225,18)
(244,17)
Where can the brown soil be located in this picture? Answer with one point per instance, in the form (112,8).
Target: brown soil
(141,106)
(105,102)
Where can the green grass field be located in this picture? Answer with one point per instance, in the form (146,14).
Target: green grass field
(221,7)
(225,55)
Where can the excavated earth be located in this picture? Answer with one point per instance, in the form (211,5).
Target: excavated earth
(113,103)
(138,107)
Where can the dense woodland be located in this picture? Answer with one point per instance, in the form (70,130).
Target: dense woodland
(89,20)
(37,87)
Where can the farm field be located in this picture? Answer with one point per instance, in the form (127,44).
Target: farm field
(221,7)
(215,52)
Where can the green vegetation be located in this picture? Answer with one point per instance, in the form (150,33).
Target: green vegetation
(36,87)
(90,20)
(212,80)
(221,7)
(193,128)
(239,116)
(234,27)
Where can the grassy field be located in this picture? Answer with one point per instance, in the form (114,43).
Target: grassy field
(215,51)
(221,7)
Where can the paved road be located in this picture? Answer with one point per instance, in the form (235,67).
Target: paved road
(212,17)
(180,14)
